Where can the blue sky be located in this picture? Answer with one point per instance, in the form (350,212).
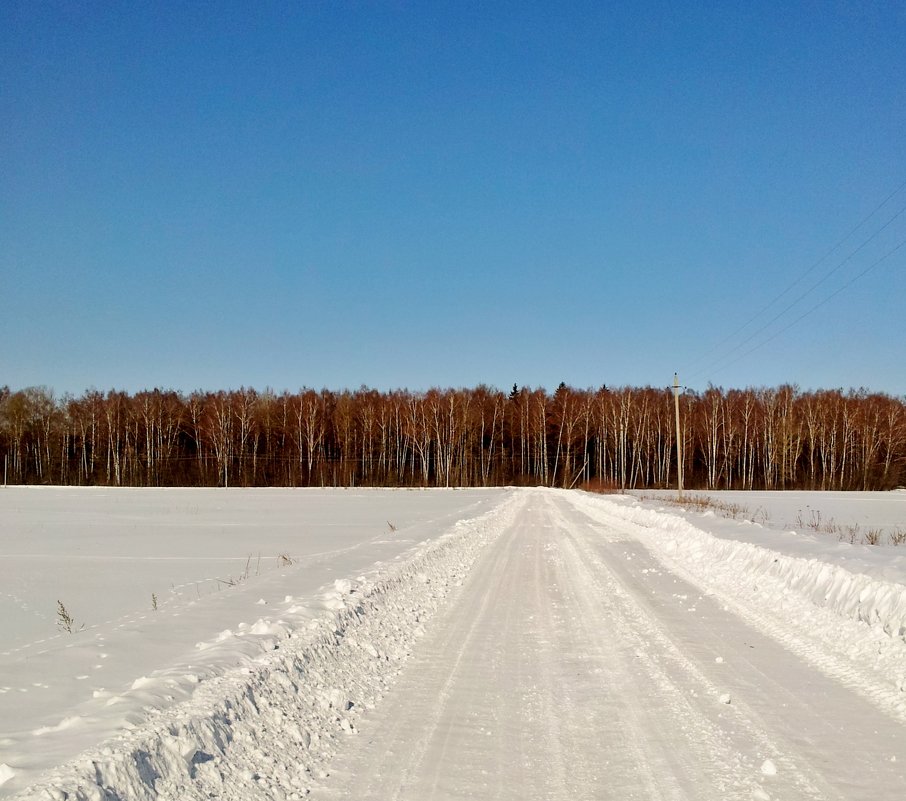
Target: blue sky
(447,194)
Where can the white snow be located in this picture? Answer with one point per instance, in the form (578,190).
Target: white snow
(500,643)
(768,768)
(104,552)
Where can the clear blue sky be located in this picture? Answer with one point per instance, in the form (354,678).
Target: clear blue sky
(417,194)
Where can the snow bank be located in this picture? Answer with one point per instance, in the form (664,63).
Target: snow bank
(767,572)
(274,724)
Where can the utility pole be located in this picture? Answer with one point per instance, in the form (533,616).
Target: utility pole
(679,438)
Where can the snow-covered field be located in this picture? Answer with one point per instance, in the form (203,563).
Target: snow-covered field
(105,552)
(844,516)
(448,644)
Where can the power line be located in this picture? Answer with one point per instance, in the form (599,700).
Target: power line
(807,292)
(799,280)
(812,309)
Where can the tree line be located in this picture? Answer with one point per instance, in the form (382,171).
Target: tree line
(756,438)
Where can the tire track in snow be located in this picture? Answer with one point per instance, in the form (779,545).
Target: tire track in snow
(696,762)
(687,696)
(463,637)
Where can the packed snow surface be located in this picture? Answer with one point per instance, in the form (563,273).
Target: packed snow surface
(503,643)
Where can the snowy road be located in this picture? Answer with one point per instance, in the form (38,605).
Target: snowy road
(576,665)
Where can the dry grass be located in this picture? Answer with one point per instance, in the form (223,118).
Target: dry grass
(851,532)
(704,503)
(65,621)
(813,521)
(601,486)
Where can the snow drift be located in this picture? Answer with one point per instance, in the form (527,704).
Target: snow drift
(878,603)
